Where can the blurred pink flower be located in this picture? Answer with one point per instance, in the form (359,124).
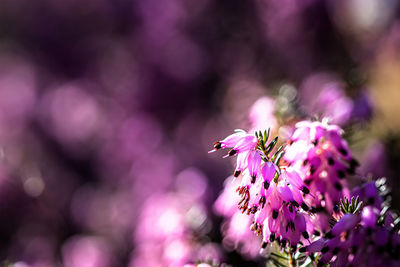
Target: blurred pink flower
(86,251)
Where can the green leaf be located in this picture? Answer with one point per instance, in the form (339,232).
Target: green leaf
(276,176)
(352,206)
(277,151)
(357,209)
(308,262)
(271,145)
(280,155)
(265,136)
(279,256)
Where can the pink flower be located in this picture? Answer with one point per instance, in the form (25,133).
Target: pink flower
(323,158)
(272,196)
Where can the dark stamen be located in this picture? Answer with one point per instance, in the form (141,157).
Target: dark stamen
(312,169)
(266,185)
(217,145)
(340,174)
(338,186)
(305,190)
(232,152)
(275,214)
(324,249)
(237,173)
(304,206)
(371,200)
(305,235)
(343,151)
(272,237)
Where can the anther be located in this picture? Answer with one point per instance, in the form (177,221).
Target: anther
(266,185)
(305,235)
(232,152)
(275,214)
(340,174)
(217,145)
(305,190)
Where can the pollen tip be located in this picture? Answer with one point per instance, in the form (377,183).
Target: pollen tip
(305,235)
(232,152)
(304,206)
(275,214)
(340,174)
(264,244)
(272,237)
(305,190)
(266,185)
(324,249)
(237,173)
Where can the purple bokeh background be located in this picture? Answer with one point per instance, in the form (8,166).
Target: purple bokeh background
(108,109)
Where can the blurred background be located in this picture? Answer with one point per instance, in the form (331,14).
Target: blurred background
(108,109)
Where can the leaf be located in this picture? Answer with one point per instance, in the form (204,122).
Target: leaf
(266,135)
(279,158)
(308,262)
(279,256)
(271,145)
(277,151)
(352,206)
(357,209)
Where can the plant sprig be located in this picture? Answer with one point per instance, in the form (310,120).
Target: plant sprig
(267,148)
(350,207)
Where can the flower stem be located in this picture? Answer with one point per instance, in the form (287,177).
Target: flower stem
(292,261)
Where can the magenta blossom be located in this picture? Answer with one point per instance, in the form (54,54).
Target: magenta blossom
(365,237)
(323,157)
(273,195)
(236,225)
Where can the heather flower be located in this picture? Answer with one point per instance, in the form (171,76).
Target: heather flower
(272,194)
(236,226)
(86,251)
(369,194)
(279,217)
(364,236)
(332,102)
(323,158)
(330,98)
(240,142)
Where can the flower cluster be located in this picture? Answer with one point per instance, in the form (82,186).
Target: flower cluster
(299,196)
(273,194)
(235,228)
(319,152)
(364,236)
